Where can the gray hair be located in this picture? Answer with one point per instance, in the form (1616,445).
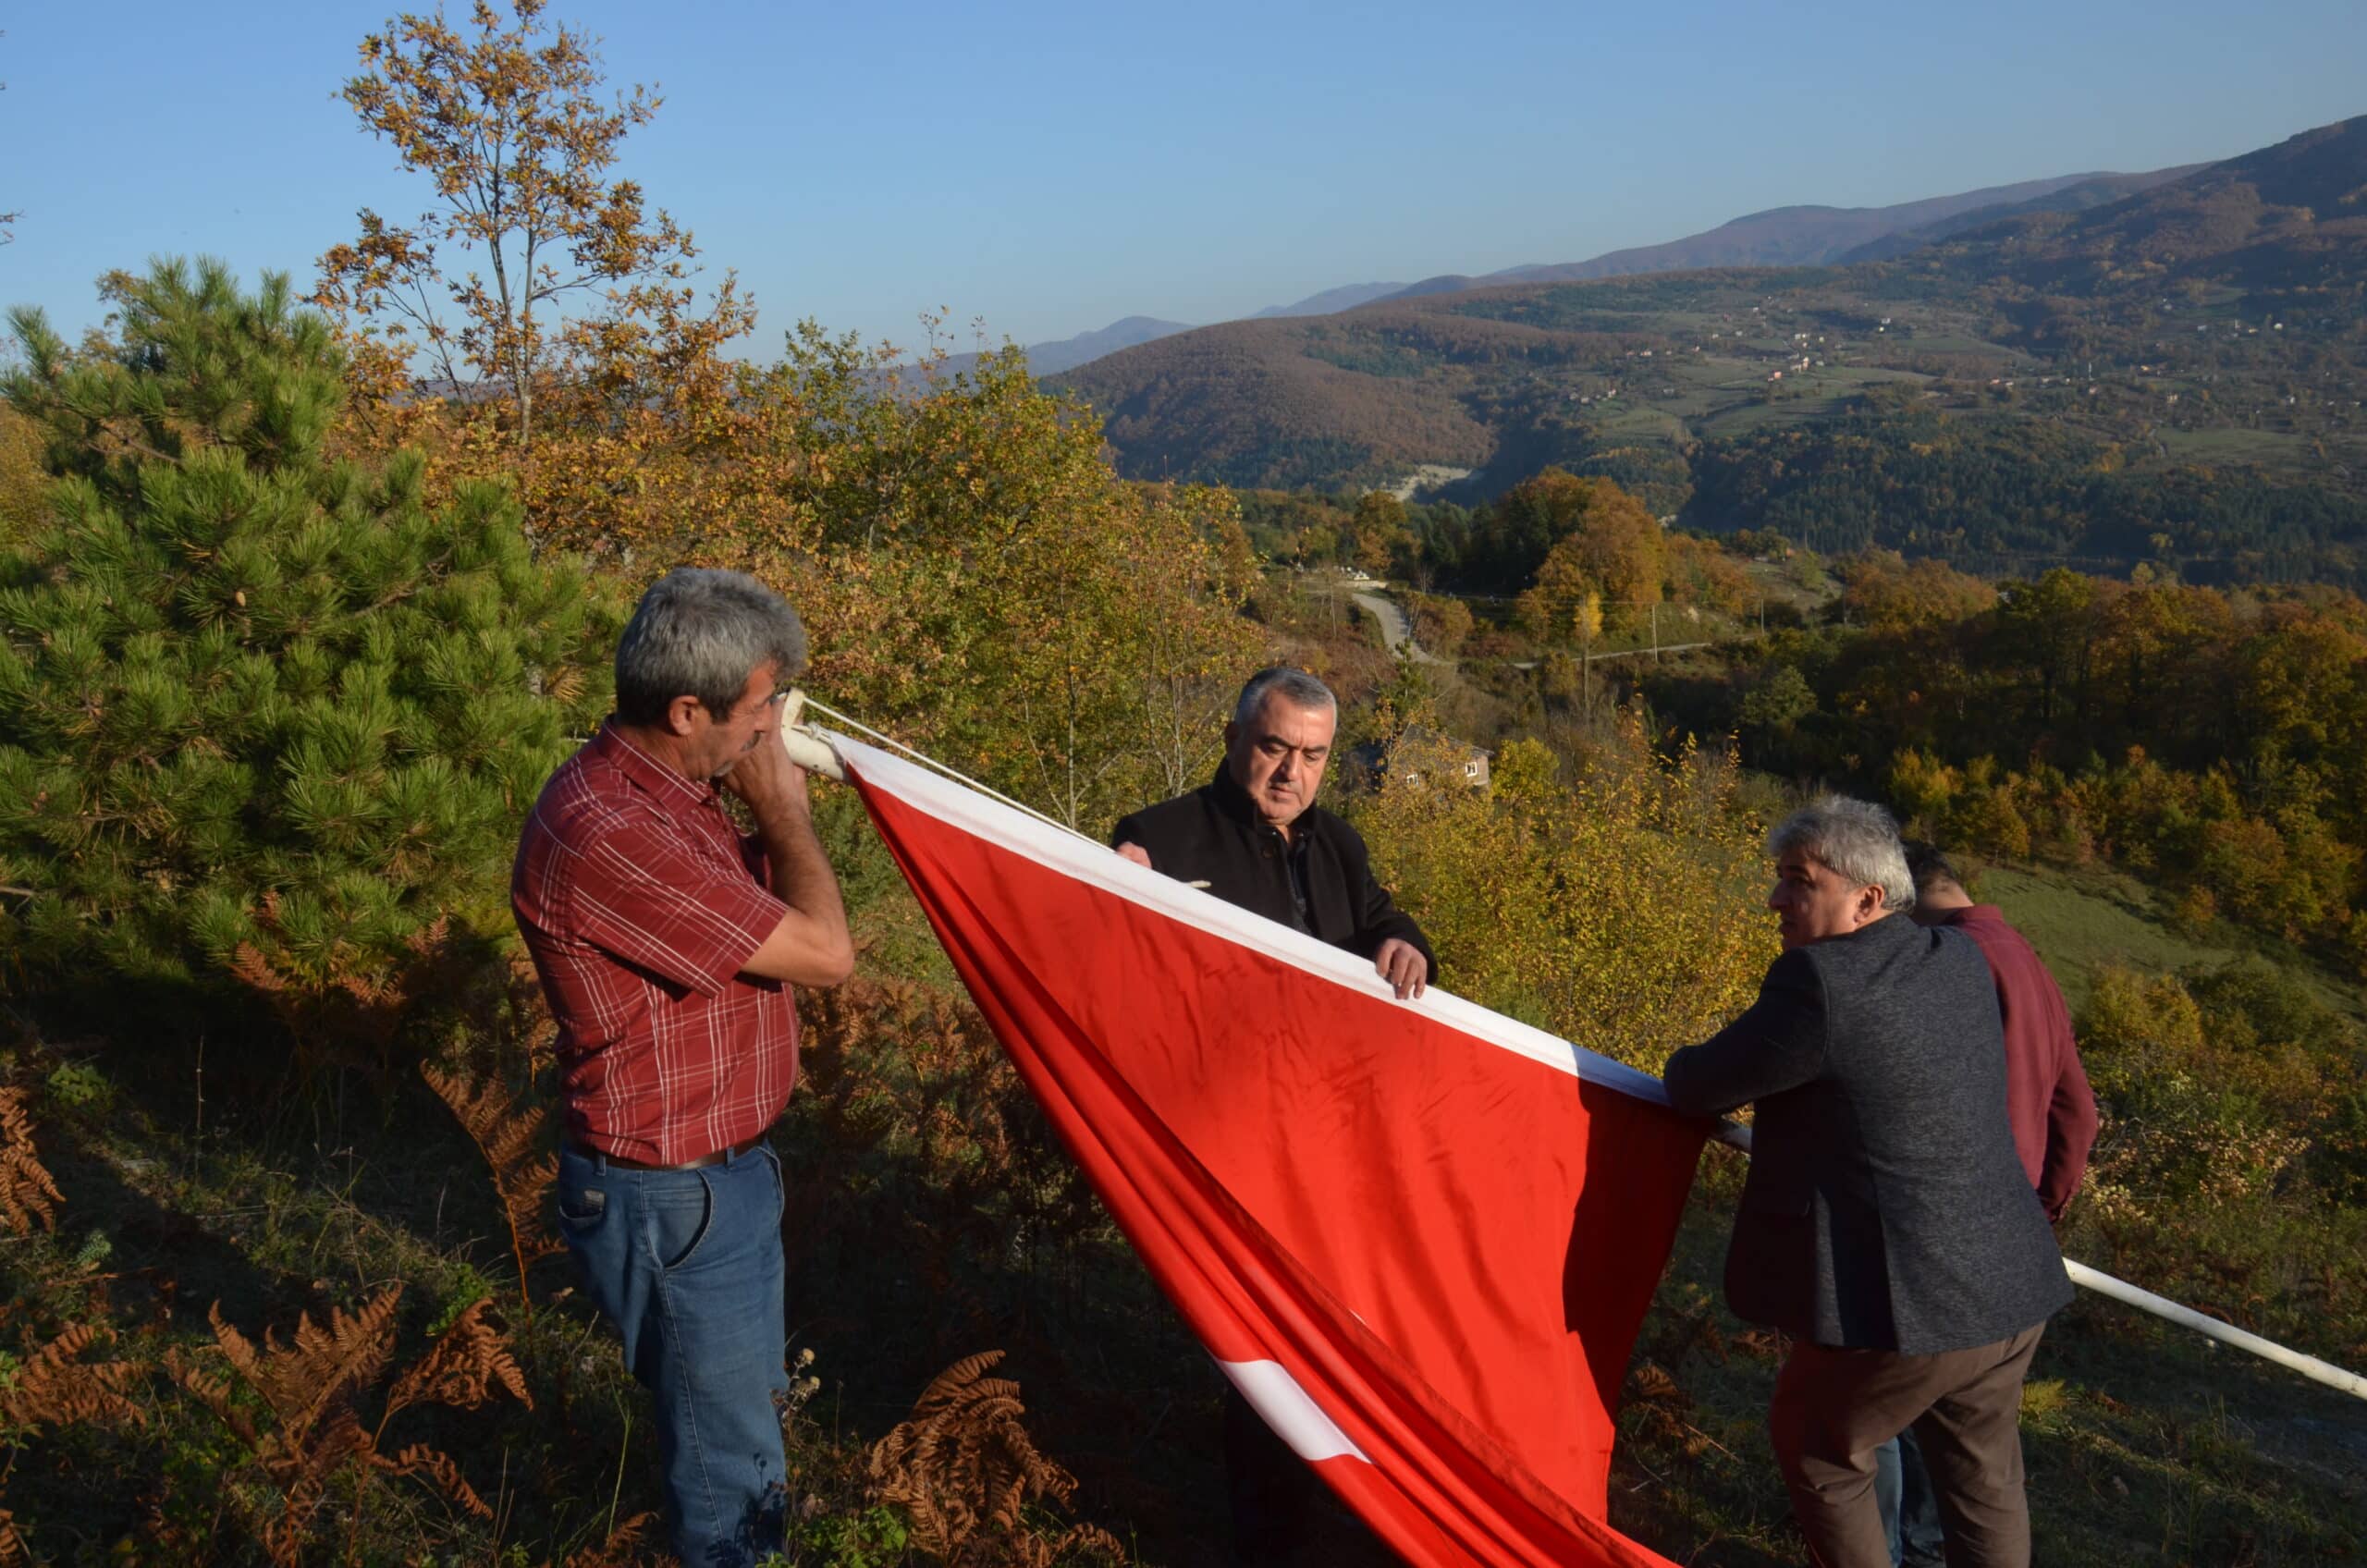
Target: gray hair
(1301,688)
(701,633)
(1856,839)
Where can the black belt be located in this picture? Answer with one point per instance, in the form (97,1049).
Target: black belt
(744,1146)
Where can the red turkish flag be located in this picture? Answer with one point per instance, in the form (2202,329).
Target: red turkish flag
(1419,1236)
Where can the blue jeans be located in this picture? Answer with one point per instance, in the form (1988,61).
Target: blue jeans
(1910,1508)
(687,1264)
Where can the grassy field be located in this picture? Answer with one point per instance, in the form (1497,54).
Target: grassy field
(2083,920)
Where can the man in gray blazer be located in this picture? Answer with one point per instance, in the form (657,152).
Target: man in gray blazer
(1886,1225)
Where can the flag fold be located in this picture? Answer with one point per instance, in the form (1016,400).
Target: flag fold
(1419,1237)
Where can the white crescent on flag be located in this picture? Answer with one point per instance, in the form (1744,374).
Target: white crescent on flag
(1419,1236)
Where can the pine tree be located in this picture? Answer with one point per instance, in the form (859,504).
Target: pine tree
(267,723)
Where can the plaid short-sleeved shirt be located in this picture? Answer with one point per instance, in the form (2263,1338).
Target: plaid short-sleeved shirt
(640,899)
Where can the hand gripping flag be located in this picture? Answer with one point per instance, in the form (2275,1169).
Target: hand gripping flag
(1417,1236)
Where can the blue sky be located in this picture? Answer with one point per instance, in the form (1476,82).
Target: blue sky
(1051,167)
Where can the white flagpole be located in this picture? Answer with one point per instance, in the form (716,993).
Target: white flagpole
(2333,1376)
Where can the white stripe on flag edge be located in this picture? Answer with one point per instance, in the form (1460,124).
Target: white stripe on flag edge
(1073,855)
(1291,1411)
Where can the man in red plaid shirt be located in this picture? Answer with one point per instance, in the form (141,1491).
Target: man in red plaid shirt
(666,941)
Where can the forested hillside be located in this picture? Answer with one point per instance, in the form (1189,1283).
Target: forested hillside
(2177,375)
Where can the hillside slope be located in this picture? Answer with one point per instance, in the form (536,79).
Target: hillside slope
(2188,360)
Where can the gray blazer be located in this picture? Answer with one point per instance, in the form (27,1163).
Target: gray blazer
(1885,1208)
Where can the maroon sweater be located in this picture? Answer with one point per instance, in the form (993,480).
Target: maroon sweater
(2047,1097)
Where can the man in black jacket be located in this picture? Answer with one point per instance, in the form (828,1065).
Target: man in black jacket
(1253,837)
(1886,1224)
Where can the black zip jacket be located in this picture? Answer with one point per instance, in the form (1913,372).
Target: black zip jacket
(1319,879)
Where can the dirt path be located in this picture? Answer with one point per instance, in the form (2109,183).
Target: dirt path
(1395,631)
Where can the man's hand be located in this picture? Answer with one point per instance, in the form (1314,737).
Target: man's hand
(1401,963)
(1136,854)
(768,781)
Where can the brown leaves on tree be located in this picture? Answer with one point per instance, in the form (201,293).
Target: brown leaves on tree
(510,125)
(28,1194)
(513,1143)
(965,1470)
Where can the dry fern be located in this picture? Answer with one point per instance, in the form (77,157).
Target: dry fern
(51,1388)
(964,1469)
(309,1387)
(460,1368)
(513,1142)
(622,1550)
(28,1194)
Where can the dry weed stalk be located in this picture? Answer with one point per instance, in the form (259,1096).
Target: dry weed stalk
(309,1387)
(1662,1405)
(28,1194)
(964,1469)
(510,1141)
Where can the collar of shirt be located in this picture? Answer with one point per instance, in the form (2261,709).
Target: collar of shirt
(670,788)
(1234,802)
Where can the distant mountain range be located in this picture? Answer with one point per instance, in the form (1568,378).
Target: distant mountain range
(1781,237)
(2201,331)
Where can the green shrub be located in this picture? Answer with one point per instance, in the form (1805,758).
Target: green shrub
(267,723)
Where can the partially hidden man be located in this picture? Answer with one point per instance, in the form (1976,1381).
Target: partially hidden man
(1253,837)
(667,941)
(1886,1224)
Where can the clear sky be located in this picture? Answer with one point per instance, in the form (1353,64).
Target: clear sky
(1051,168)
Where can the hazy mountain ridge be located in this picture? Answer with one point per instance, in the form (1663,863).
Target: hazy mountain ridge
(2214,323)
(1348,296)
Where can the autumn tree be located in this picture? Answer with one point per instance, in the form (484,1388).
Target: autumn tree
(509,127)
(982,581)
(1380,532)
(1886,593)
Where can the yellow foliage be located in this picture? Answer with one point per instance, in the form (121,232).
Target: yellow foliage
(1618,909)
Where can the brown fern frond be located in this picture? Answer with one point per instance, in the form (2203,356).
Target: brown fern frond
(460,1369)
(13,1551)
(214,1394)
(301,1380)
(51,1389)
(513,1142)
(963,1463)
(438,1467)
(958,1383)
(249,965)
(28,1194)
(1090,1539)
(622,1550)
(337,1439)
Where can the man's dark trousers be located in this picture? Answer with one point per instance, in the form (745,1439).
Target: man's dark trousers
(1833,1408)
